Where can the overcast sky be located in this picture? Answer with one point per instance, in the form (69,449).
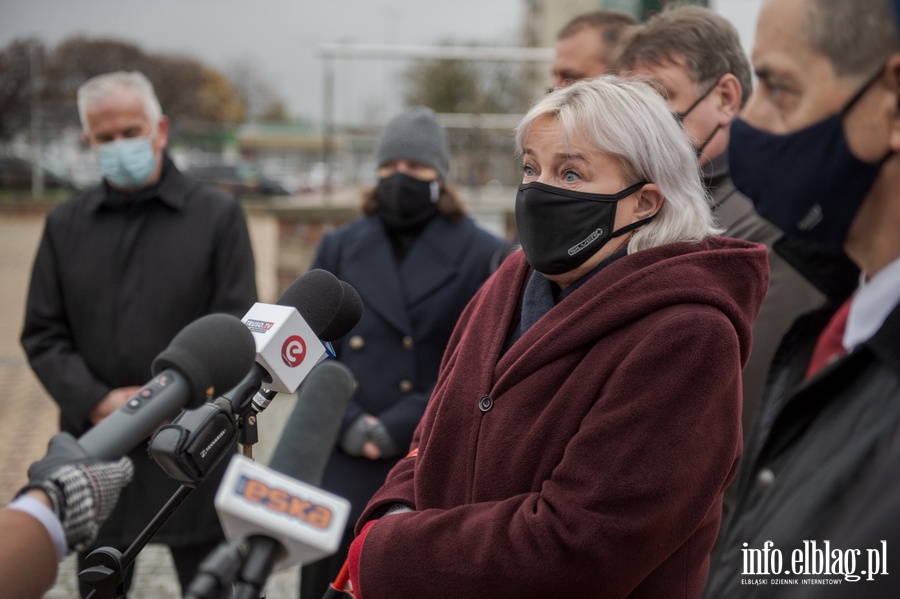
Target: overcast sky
(280,36)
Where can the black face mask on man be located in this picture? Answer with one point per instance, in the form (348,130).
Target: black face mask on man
(405,202)
(560,229)
(807,183)
(680,116)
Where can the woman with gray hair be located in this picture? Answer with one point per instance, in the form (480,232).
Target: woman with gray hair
(586,419)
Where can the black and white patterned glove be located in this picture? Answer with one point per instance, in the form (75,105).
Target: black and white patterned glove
(82,489)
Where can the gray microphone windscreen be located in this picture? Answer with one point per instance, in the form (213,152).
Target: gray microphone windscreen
(312,428)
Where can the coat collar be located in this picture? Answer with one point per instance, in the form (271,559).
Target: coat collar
(391,289)
(808,399)
(171,189)
(641,283)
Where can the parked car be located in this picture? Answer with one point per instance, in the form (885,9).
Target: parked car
(238,179)
(15,173)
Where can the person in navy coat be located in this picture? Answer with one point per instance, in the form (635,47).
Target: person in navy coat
(416,259)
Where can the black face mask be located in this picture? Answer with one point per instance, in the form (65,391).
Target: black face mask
(561,229)
(680,116)
(807,183)
(405,202)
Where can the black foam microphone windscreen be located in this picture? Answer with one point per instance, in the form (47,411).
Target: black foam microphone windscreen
(329,306)
(211,353)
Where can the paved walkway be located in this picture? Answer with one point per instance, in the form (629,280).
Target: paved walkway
(28,418)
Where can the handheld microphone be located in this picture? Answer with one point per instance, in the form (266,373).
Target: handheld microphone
(281,502)
(212,353)
(255,500)
(192,445)
(287,335)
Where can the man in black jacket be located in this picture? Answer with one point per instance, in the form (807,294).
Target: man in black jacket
(695,57)
(121,268)
(815,150)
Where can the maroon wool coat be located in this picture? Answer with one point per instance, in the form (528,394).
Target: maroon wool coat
(612,430)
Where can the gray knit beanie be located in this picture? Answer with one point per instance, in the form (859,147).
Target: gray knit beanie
(415,134)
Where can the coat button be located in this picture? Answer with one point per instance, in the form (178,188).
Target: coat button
(406,386)
(356,342)
(764,479)
(485,403)
(408,343)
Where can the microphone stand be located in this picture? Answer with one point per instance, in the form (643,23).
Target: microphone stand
(218,571)
(104,568)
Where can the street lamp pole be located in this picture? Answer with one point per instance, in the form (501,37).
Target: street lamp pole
(37,174)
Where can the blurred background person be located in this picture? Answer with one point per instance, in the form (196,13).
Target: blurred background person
(816,150)
(121,268)
(585,44)
(585,48)
(416,259)
(695,57)
(68,496)
(586,419)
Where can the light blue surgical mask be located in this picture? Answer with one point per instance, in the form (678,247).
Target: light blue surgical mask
(127,163)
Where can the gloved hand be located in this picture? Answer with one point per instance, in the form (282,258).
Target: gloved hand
(379,435)
(82,489)
(369,428)
(355,437)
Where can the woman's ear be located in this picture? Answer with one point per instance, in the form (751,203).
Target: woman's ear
(649,201)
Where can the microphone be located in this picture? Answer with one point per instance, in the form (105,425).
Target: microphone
(195,442)
(287,335)
(330,306)
(279,503)
(282,521)
(211,353)
(312,428)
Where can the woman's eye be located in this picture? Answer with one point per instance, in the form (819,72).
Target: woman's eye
(527,171)
(570,176)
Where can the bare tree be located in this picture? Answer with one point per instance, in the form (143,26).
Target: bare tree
(260,99)
(476,87)
(197,97)
(15,86)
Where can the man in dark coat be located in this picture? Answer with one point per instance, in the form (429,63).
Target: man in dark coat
(122,268)
(416,259)
(695,56)
(816,152)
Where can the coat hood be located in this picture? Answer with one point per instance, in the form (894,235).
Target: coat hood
(728,275)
